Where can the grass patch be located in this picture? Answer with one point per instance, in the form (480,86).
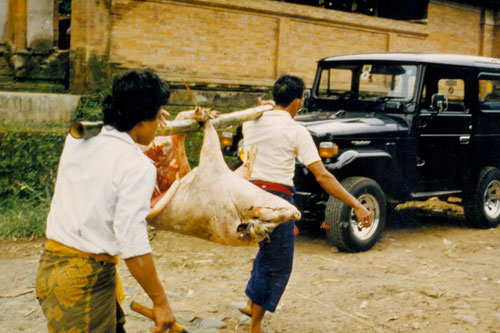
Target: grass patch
(23,218)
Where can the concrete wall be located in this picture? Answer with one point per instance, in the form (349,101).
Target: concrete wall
(235,44)
(32,108)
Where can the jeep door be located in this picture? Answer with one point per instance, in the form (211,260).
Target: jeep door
(487,123)
(443,138)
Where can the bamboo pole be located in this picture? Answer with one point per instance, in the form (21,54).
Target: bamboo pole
(225,120)
(86,129)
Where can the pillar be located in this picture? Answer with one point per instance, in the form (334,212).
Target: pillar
(282,53)
(486,37)
(496,36)
(90,45)
(16,24)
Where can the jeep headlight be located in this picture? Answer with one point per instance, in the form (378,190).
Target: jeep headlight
(227,139)
(328,149)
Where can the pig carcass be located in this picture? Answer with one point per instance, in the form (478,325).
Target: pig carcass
(211,201)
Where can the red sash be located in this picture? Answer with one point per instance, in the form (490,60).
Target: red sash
(265,185)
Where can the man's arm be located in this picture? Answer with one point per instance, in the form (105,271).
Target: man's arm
(144,271)
(332,186)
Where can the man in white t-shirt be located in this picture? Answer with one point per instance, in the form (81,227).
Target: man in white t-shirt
(280,140)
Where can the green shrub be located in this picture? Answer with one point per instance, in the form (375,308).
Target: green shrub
(65,7)
(89,109)
(28,161)
(28,164)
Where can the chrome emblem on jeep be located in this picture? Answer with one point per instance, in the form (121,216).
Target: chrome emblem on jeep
(361,142)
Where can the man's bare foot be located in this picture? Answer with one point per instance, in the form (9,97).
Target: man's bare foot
(248,309)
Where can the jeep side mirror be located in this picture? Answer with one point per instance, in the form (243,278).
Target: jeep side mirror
(307,96)
(439,102)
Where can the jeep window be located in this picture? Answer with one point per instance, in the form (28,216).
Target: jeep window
(489,94)
(450,82)
(454,91)
(334,81)
(368,82)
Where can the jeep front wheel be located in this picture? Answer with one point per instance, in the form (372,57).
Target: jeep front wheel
(343,230)
(482,201)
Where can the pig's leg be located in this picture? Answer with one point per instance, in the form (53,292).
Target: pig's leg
(245,170)
(163,202)
(211,155)
(180,154)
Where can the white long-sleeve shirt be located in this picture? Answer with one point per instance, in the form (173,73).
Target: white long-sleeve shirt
(279,140)
(102,195)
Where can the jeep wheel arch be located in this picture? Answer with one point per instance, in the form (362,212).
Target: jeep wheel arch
(482,199)
(343,231)
(378,166)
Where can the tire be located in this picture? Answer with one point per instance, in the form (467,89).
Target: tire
(481,207)
(343,231)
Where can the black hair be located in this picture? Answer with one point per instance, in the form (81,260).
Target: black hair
(286,89)
(136,96)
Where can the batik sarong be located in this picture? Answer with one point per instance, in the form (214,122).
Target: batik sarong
(77,292)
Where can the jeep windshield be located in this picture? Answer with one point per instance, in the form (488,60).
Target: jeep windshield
(369,82)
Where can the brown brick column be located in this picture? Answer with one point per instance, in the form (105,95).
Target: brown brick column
(486,37)
(90,45)
(282,53)
(17,23)
(496,36)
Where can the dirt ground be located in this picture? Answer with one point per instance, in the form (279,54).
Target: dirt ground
(428,273)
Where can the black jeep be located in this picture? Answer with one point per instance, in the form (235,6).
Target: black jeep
(395,127)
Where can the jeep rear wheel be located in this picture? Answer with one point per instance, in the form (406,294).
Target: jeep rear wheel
(482,201)
(343,231)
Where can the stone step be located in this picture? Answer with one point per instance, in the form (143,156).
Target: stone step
(7,84)
(4,68)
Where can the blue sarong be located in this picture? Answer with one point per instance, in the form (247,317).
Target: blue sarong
(272,266)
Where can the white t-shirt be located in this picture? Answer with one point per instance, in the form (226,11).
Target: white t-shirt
(279,140)
(102,195)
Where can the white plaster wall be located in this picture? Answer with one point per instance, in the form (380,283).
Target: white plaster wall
(40,22)
(4,6)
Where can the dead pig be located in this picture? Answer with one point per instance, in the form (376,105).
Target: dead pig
(211,201)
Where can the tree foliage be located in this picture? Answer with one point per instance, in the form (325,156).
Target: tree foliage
(65,7)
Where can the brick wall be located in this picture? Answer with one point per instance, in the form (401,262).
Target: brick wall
(240,43)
